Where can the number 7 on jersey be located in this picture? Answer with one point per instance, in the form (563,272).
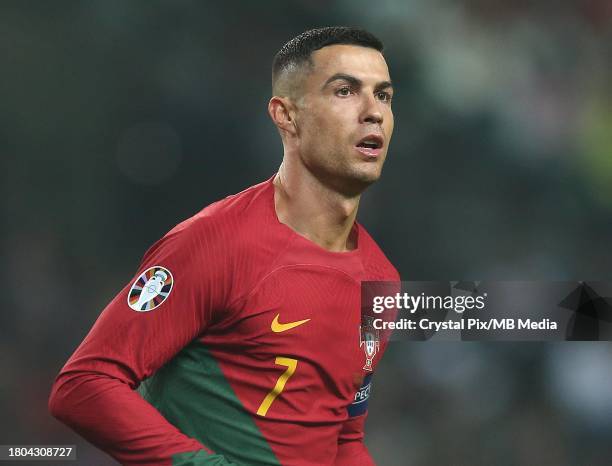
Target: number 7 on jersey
(291,365)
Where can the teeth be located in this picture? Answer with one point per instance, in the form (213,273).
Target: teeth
(371,142)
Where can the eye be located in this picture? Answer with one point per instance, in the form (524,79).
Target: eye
(344,91)
(384,96)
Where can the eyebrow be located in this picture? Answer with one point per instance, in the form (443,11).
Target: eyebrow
(356,81)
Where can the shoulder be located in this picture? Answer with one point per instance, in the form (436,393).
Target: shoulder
(228,243)
(376,263)
(228,220)
(237,233)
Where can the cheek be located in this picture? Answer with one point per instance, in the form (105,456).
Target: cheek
(325,125)
(320,128)
(389,124)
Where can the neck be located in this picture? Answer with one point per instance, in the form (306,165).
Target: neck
(314,210)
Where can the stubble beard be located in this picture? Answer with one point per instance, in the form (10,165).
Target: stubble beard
(339,173)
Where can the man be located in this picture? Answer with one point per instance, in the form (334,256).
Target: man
(241,327)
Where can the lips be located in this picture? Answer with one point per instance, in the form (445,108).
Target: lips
(371,145)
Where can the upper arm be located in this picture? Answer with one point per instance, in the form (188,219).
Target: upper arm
(134,336)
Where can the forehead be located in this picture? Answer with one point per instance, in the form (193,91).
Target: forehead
(364,63)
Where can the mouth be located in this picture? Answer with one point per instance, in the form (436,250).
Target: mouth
(371,145)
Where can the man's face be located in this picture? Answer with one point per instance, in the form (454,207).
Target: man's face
(344,119)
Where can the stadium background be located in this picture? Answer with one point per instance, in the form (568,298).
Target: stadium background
(119,119)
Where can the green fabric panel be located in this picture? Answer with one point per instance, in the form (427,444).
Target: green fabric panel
(199,458)
(192,393)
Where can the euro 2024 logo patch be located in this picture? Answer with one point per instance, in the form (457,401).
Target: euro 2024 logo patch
(151,289)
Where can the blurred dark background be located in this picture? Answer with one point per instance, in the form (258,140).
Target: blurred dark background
(120,119)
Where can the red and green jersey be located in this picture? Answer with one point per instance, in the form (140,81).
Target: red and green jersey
(244,340)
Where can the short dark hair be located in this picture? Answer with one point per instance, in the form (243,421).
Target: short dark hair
(299,49)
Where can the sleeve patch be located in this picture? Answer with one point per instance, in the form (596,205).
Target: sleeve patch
(360,403)
(150,289)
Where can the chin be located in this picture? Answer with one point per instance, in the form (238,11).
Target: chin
(358,180)
(350,178)
(367,173)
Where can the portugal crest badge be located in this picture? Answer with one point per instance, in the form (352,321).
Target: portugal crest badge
(151,289)
(369,340)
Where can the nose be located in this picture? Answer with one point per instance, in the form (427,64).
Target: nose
(371,112)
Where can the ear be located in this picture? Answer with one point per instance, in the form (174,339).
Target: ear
(281,110)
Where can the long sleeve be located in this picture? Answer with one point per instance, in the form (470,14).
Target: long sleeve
(185,275)
(351,449)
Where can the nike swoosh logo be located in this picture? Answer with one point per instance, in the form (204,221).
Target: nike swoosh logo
(277,327)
